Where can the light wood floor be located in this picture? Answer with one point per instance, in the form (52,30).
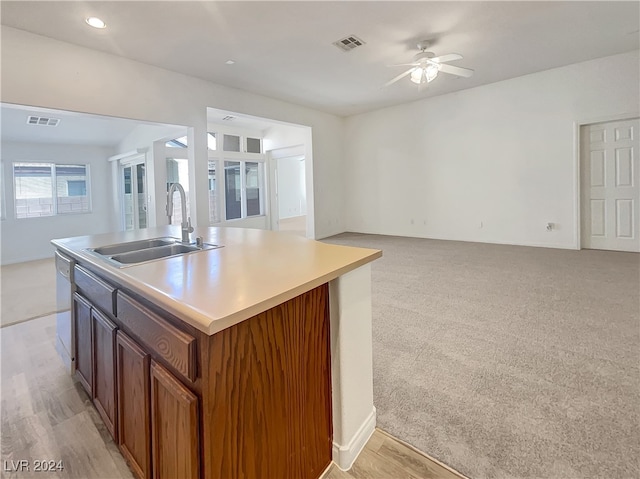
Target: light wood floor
(384,457)
(46,415)
(295,225)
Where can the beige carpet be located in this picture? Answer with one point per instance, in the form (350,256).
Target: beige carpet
(28,290)
(507,361)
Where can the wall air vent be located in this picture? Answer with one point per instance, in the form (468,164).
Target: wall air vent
(229,118)
(348,43)
(41,120)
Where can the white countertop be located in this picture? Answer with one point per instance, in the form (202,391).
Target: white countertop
(215,289)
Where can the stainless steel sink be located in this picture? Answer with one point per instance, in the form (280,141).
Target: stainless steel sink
(134,246)
(142,251)
(154,253)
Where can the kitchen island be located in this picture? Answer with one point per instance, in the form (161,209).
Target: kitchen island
(249,360)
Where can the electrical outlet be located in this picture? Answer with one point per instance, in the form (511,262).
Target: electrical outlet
(550,226)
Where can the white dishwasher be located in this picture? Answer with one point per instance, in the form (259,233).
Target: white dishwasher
(64,324)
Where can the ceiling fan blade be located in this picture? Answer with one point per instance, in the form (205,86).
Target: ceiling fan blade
(459,71)
(447,58)
(404,65)
(399,77)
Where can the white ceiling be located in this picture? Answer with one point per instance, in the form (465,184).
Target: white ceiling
(284,49)
(73,128)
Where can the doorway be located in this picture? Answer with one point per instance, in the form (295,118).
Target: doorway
(288,193)
(610,185)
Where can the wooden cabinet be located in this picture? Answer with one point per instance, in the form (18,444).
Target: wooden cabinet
(83,340)
(157,416)
(177,348)
(152,416)
(174,427)
(99,292)
(94,295)
(269,413)
(95,358)
(134,405)
(104,369)
(251,401)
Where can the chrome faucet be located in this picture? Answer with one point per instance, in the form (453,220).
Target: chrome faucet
(186,222)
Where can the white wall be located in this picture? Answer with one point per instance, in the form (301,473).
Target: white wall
(500,154)
(284,136)
(28,239)
(283,141)
(291,191)
(144,135)
(39,71)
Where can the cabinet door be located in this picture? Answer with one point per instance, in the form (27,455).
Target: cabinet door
(84,359)
(174,427)
(104,369)
(134,429)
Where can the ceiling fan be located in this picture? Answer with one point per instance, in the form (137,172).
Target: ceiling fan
(426,66)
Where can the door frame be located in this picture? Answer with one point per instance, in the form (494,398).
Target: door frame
(577,163)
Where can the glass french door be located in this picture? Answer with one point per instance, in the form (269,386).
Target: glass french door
(134,196)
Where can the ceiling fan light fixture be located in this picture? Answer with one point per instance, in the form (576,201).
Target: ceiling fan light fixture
(425,73)
(426,66)
(431,72)
(417,75)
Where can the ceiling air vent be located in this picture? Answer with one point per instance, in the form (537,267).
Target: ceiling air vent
(41,120)
(348,43)
(229,118)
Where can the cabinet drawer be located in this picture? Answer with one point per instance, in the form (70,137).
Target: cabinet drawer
(176,347)
(101,294)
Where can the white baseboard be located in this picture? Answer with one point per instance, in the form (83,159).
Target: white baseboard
(345,455)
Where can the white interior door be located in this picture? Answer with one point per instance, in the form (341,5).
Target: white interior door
(610,186)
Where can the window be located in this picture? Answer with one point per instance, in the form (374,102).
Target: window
(212,141)
(77,187)
(233,189)
(252,172)
(231,143)
(178,142)
(254,145)
(46,189)
(2,190)
(243,189)
(236,175)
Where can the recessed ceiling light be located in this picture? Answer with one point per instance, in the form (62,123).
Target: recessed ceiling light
(95,22)
(229,62)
